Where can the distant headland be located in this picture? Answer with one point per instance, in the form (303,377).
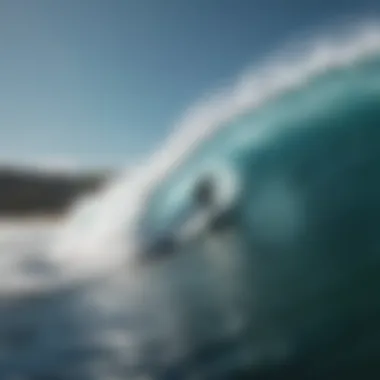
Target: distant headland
(30,193)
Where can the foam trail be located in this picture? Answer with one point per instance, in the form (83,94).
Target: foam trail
(117,207)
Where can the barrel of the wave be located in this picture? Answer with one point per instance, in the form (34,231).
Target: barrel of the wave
(300,239)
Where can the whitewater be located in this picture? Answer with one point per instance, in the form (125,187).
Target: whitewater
(79,300)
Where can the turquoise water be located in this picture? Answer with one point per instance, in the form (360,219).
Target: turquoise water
(307,109)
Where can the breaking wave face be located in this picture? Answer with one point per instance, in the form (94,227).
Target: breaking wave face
(96,310)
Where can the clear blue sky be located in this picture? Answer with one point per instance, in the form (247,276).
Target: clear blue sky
(104,81)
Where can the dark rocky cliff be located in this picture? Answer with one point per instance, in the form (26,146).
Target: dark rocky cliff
(28,193)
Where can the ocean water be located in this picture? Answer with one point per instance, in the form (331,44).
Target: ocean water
(274,277)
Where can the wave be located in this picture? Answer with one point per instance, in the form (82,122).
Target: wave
(116,209)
